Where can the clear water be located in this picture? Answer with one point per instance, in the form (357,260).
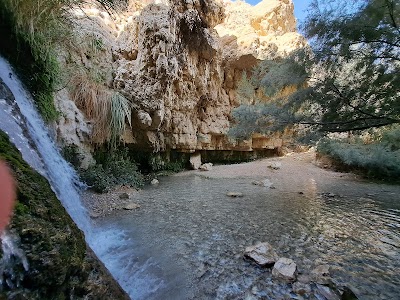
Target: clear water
(188,237)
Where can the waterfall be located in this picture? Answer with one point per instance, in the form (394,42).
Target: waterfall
(27,131)
(48,160)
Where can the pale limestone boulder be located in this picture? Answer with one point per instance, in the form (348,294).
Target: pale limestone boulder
(206,167)
(195,161)
(263,254)
(285,268)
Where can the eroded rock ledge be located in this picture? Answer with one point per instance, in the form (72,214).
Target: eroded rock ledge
(180,62)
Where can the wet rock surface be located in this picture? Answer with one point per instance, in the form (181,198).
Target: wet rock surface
(187,240)
(285,268)
(59,264)
(263,254)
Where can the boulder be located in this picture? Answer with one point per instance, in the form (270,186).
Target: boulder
(195,161)
(285,268)
(154,182)
(263,254)
(206,167)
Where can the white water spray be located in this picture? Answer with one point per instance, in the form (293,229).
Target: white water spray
(47,160)
(58,172)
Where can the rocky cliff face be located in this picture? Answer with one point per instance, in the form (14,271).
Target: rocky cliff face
(179,63)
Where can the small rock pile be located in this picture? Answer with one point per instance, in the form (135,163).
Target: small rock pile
(319,281)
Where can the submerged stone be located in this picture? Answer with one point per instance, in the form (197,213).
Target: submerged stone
(285,268)
(131,206)
(234,194)
(263,254)
(206,167)
(321,274)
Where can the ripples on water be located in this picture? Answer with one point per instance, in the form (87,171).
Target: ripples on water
(187,240)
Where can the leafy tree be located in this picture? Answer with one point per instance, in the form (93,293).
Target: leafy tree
(348,79)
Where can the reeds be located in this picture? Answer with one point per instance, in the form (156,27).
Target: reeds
(108,109)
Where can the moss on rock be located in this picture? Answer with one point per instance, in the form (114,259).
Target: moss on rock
(61,265)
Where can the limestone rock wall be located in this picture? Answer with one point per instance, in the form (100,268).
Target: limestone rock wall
(179,63)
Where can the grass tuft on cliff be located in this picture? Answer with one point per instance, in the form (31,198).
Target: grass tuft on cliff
(109,110)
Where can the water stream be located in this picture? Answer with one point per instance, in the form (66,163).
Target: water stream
(187,239)
(190,237)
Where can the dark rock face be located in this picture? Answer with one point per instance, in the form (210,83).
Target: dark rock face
(61,265)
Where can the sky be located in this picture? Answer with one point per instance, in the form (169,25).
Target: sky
(299,7)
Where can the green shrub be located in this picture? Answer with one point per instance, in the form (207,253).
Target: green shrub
(157,163)
(72,154)
(378,159)
(114,169)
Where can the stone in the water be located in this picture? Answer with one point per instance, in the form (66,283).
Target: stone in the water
(206,167)
(328,293)
(234,194)
(124,196)
(275,165)
(265,183)
(154,181)
(131,206)
(348,294)
(301,288)
(321,274)
(304,279)
(263,254)
(195,161)
(285,268)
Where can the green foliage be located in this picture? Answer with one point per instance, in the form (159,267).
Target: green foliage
(378,159)
(348,81)
(114,169)
(96,44)
(245,90)
(121,109)
(72,154)
(28,45)
(32,32)
(157,163)
(46,233)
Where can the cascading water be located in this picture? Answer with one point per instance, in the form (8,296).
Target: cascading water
(58,172)
(25,128)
